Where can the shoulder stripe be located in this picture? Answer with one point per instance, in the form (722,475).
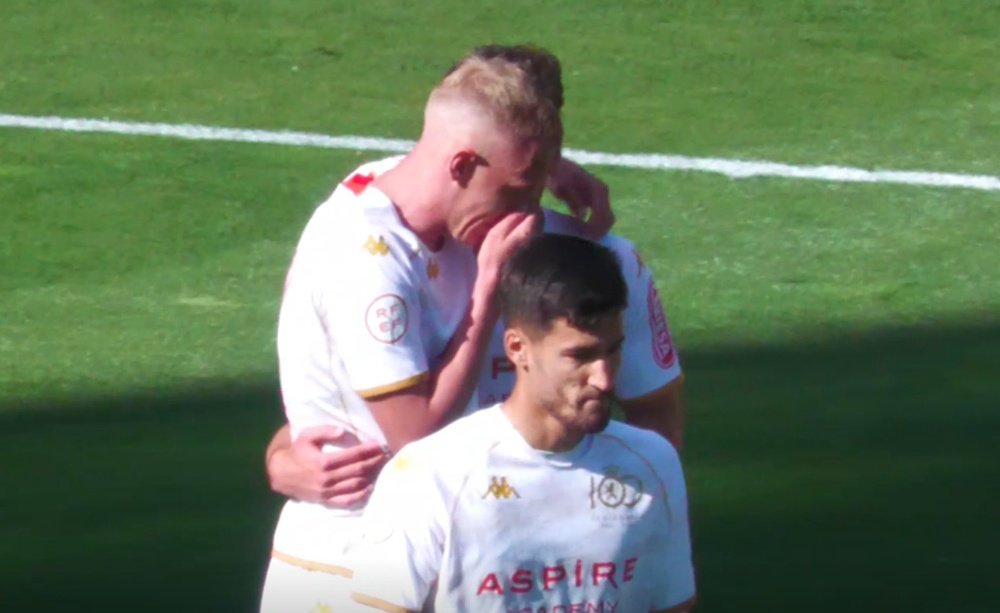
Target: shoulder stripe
(649,467)
(388,388)
(331,569)
(377,603)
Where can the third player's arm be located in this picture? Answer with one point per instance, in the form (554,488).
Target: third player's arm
(302,470)
(661,411)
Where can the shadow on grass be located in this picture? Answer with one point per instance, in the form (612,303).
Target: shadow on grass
(856,473)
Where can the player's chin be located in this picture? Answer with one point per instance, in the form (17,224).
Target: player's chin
(597,415)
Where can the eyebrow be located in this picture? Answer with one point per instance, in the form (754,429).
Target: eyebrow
(592,348)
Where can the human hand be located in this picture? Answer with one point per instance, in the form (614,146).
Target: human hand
(339,478)
(501,241)
(587,197)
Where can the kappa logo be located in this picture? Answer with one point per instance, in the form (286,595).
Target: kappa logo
(500,489)
(376,247)
(615,490)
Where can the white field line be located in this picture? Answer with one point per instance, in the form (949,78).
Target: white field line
(736,169)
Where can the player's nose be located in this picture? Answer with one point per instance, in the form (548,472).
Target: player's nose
(602,375)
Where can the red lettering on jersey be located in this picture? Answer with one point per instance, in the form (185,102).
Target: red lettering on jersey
(552,575)
(604,570)
(549,577)
(629,569)
(663,347)
(358,182)
(522,581)
(490,584)
(501,365)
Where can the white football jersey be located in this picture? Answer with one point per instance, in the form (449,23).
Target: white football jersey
(479,521)
(367,309)
(649,360)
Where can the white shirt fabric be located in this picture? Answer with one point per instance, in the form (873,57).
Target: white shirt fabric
(649,360)
(367,309)
(503,527)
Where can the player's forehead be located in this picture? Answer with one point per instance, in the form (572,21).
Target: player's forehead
(526,164)
(607,329)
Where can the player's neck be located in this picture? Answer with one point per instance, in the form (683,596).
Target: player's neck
(416,202)
(537,427)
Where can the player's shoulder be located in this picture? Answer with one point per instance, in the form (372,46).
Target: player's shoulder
(356,204)
(633,266)
(627,252)
(642,442)
(359,223)
(617,243)
(452,450)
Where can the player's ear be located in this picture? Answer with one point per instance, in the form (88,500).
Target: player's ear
(463,166)
(515,345)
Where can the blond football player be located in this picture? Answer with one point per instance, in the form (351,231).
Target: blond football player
(388,307)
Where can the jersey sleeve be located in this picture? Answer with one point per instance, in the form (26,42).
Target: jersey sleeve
(676,583)
(372,312)
(399,558)
(649,359)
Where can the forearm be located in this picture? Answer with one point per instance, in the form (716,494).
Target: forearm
(280,442)
(454,380)
(280,465)
(415,412)
(661,411)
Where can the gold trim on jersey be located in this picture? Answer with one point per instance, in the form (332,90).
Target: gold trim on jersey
(377,603)
(393,387)
(310,565)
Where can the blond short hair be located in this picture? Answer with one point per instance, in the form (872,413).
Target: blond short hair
(509,97)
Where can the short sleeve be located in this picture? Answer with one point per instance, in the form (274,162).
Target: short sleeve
(399,557)
(649,358)
(372,311)
(675,581)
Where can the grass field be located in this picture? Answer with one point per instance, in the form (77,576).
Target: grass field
(841,341)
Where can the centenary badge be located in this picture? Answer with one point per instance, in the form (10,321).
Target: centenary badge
(615,490)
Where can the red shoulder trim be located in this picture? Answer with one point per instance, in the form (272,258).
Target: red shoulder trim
(358,182)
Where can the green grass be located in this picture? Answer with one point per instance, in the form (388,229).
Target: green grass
(840,341)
